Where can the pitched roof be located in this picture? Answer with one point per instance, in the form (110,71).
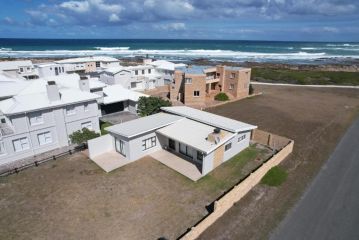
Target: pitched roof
(142,125)
(210,118)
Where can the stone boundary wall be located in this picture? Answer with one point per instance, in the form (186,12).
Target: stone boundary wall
(240,190)
(271,140)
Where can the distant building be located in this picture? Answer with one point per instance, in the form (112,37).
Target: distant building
(21,69)
(34,122)
(191,85)
(88,64)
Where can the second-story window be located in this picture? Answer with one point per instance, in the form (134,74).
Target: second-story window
(143,72)
(70,110)
(136,72)
(231,86)
(233,75)
(98,64)
(188,80)
(36,118)
(149,71)
(21,69)
(196,93)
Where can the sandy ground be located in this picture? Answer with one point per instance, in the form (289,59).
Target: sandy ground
(316,119)
(72,198)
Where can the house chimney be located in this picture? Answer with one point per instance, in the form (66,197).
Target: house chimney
(215,136)
(84,84)
(52,91)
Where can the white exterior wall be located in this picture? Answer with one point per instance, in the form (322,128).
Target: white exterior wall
(136,148)
(55,122)
(237,146)
(100,145)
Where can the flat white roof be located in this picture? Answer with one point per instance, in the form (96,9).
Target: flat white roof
(143,125)
(194,134)
(117,93)
(210,118)
(11,65)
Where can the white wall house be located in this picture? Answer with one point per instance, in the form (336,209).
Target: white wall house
(201,138)
(42,116)
(21,69)
(141,77)
(88,64)
(50,69)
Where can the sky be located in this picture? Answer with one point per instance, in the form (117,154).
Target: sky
(285,20)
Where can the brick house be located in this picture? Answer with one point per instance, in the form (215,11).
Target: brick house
(191,85)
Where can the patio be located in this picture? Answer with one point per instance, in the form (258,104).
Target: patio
(110,161)
(178,164)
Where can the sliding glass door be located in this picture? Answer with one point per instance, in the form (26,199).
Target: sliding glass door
(186,150)
(120,147)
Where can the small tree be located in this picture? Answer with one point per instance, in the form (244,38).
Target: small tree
(151,105)
(221,97)
(251,89)
(82,136)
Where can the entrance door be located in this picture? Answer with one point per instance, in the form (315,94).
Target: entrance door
(172,144)
(120,147)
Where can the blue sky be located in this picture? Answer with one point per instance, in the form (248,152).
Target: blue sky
(308,20)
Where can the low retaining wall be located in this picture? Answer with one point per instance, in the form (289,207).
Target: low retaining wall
(269,139)
(233,100)
(241,189)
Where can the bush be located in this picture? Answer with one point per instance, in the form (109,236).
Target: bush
(82,136)
(251,89)
(221,97)
(104,125)
(274,177)
(151,105)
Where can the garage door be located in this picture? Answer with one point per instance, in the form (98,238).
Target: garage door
(112,108)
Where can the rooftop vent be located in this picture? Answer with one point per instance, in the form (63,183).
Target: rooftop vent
(51,83)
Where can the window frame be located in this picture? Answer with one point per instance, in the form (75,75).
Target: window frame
(21,144)
(194,93)
(152,143)
(227,147)
(231,86)
(47,135)
(241,138)
(87,123)
(188,80)
(232,75)
(36,116)
(199,153)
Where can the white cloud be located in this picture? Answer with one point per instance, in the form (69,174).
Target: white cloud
(76,6)
(114,18)
(177,26)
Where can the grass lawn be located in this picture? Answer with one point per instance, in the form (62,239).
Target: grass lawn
(274,177)
(305,77)
(104,125)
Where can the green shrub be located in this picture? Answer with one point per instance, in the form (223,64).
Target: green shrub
(221,97)
(82,136)
(251,89)
(104,125)
(151,105)
(274,177)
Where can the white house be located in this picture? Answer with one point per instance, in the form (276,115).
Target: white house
(88,64)
(20,69)
(178,136)
(139,77)
(166,69)
(50,69)
(42,116)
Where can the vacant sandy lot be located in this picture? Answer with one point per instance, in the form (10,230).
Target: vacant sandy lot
(315,119)
(72,198)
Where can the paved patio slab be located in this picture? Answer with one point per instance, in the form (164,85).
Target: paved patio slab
(110,161)
(178,164)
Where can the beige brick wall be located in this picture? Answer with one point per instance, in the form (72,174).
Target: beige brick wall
(239,191)
(198,84)
(90,67)
(239,81)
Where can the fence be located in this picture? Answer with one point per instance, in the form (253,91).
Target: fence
(38,162)
(226,201)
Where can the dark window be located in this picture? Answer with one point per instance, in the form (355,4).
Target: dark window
(3,120)
(136,72)
(196,93)
(228,146)
(149,70)
(149,143)
(172,144)
(98,64)
(199,155)
(143,72)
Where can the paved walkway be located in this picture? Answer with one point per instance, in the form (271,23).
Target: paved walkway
(178,164)
(110,161)
(330,207)
(120,117)
(298,85)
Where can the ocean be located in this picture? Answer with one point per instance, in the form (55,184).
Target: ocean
(185,50)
